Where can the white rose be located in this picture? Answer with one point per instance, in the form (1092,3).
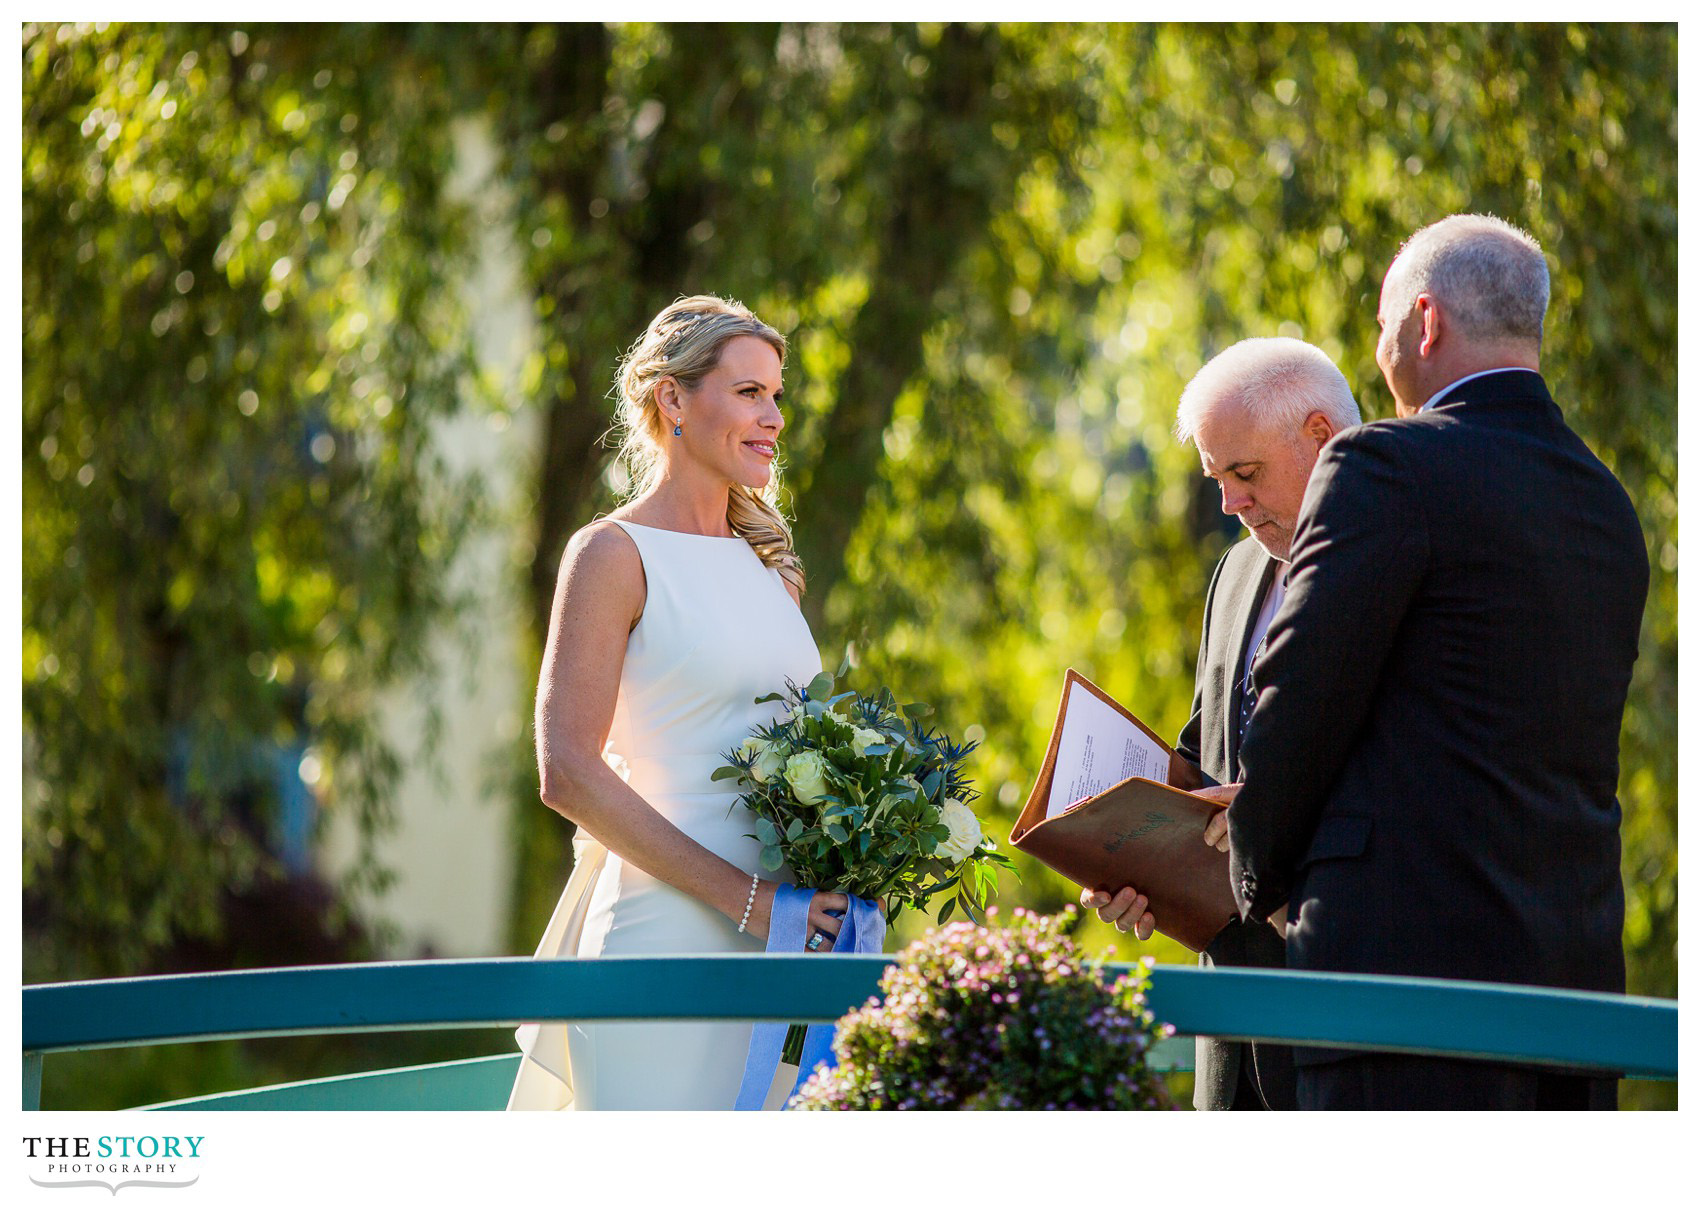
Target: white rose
(769,762)
(763,756)
(964,829)
(806,772)
(861,738)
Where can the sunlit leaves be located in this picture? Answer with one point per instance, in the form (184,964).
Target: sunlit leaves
(231,538)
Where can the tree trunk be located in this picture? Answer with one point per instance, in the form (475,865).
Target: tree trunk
(569,88)
(939,211)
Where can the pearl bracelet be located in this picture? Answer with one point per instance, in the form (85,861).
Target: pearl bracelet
(749,903)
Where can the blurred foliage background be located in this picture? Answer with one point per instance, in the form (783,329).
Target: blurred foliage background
(1000,251)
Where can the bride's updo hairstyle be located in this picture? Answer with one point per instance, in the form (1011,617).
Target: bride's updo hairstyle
(684,343)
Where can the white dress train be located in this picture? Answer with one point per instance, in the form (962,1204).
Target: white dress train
(718,631)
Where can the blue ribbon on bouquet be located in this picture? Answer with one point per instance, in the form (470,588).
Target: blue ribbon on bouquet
(863,933)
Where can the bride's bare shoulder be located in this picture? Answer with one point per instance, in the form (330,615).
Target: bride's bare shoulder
(602,549)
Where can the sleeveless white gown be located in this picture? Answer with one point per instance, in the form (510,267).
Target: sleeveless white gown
(718,631)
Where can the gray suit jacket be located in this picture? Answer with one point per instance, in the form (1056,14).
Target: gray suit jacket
(1210,741)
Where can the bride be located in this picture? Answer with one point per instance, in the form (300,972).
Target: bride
(671,616)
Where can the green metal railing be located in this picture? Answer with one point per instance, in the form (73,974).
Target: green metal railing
(1635,1036)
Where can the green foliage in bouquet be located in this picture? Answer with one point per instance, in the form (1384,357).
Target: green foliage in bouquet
(978,1018)
(856,796)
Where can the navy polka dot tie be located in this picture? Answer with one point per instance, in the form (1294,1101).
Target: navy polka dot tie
(1248,690)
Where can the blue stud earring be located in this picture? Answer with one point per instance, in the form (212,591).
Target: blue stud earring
(678,429)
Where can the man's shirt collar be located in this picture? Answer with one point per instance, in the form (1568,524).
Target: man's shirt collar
(1438,396)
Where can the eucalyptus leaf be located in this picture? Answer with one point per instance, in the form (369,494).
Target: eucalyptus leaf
(820,687)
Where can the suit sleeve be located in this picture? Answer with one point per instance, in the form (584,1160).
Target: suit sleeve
(1190,742)
(1360,551)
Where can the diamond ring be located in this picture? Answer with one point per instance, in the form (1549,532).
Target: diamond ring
(815,940)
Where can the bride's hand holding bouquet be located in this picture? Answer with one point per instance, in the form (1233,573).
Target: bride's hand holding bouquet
(857,797)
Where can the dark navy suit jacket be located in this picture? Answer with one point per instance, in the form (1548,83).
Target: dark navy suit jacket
(1431,770)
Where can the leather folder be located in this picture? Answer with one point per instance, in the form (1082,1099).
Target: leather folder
(1138,833)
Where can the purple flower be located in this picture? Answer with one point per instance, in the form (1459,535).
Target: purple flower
(993,1017)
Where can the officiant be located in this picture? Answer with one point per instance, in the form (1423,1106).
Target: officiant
(1259,413)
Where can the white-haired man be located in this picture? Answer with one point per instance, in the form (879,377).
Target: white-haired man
(1430,771)
(1260,413)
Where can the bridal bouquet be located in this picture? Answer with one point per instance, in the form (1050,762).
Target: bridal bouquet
(857,797)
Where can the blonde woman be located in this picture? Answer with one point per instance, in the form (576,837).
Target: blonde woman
(671,616)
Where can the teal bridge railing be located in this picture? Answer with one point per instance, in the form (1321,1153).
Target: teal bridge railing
(1634,1036)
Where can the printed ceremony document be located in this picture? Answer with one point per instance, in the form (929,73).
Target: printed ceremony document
(1104,812)
(1097,745)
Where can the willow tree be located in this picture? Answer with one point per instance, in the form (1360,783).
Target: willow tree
(235,341)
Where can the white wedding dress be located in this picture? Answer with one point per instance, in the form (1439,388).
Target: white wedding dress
(718,631)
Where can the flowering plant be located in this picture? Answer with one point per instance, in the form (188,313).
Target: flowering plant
(979,1018)
(856,797)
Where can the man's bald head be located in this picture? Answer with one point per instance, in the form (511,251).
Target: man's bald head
(1489,274)
(1466,294)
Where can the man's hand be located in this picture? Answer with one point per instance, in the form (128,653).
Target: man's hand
(1216,829)
(1125,910)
